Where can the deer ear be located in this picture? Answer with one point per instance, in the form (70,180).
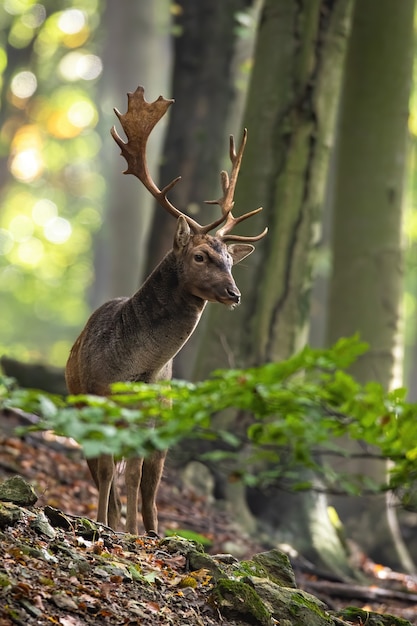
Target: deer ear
(182,233)
(239,251)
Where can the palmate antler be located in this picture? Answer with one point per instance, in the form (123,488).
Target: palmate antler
(137,123)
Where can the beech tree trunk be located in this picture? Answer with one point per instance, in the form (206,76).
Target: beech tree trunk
(197,135)
(290,116)
(135,50)
(366,283)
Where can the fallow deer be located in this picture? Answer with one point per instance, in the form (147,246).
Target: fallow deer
(136,338)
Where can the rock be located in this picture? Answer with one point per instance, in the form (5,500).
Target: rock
(57,518)
(62,601)
(291,606)
(197,560)
(42,526)
(276,566)
(18,491)
(9,514)
(198,478)
(195,555)
(238,600)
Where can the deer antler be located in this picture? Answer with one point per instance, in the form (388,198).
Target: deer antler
(138,123)
(226,202)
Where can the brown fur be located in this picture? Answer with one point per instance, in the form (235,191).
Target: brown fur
(135,339)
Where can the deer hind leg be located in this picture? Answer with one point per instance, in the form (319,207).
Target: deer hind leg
(133,472)
(151,476)
(114,505)
(114,508)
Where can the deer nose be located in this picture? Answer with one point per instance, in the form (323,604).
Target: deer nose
(234,294)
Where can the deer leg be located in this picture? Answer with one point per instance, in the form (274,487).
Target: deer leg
(151,477)
(93,467)
(102,470)
(133,473)
(114,508)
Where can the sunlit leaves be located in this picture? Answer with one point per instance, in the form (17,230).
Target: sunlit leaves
(294,414)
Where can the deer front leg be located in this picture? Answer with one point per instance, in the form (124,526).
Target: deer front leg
(102,470)
(133,473)
(151,476)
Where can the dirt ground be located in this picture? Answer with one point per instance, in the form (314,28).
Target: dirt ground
(60,477)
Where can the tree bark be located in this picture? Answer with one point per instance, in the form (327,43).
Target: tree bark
(196,139)
(290,119)
(136,50)
(290,116)
(203,89)
(366,283)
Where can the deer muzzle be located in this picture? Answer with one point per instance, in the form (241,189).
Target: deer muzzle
(234,295)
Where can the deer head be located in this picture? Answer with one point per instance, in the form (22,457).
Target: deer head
(203,254)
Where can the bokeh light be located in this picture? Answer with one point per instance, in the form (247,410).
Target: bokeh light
(51,200)
(43,211)
(21,228)
(82,114)
(71,21)
(26,163)
(77,65)
(57,230)
(24,84)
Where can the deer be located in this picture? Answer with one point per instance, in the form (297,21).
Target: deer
(136,338)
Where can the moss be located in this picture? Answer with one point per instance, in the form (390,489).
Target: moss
(188,581)
(237,598)
(249,568)
(273,565)
(301,600)
(277,566)
(4,581)
(371,619)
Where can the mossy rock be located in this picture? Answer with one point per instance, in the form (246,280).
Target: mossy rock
(195,555)
(18,491)
(10,514)
(371,619)
(238,600)
(274,565)
(293,607)
(175,543)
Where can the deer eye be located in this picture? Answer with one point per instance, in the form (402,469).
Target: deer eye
(199,258)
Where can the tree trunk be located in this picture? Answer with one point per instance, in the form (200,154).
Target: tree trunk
(290,117)
(195,141)
(196,138)
(136,50)
(366,283)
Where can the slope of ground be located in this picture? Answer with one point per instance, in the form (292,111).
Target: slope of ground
(60,477)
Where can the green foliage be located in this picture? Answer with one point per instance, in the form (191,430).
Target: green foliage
(295,414)
(191,535)
(52,189)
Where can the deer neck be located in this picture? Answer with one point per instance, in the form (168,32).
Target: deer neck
(166,314)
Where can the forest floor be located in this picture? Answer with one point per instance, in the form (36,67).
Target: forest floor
(61,480)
